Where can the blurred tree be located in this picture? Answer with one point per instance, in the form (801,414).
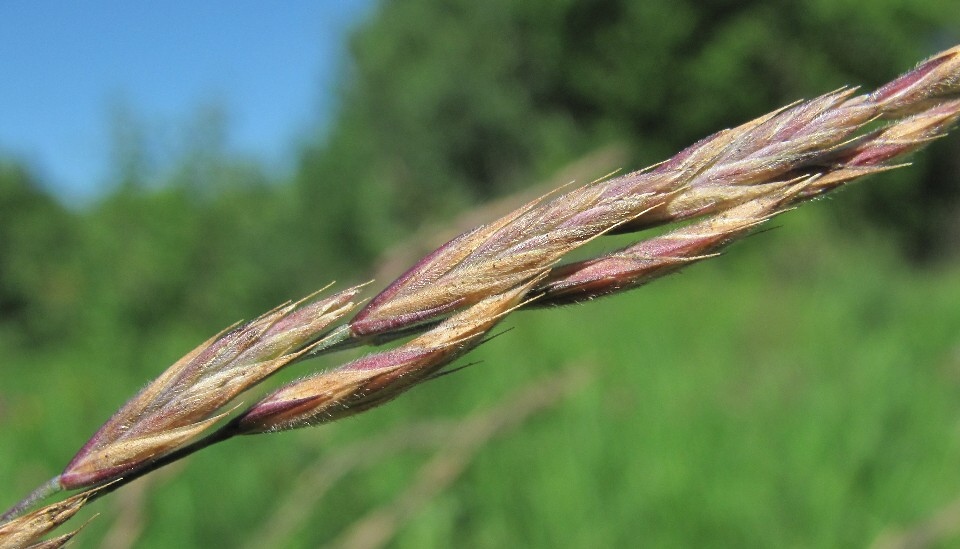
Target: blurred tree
(193,237)
(37,295)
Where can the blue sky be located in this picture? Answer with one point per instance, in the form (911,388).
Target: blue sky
(65,65)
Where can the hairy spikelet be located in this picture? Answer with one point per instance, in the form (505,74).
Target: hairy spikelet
(876,151)
(25,531)
(186,399)
(650,259)
(496,257)
(933,80)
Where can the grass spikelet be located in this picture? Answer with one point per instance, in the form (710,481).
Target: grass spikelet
(26,530)
(183,402)
(649,259)
(933,80)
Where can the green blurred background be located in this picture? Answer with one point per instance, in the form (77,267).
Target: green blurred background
(800,391)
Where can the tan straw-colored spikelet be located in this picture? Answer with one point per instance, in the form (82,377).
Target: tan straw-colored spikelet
(187,399)
(28,529)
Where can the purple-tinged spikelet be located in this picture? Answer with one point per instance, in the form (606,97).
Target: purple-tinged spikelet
(187,399)
(658,256)
(933,80)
